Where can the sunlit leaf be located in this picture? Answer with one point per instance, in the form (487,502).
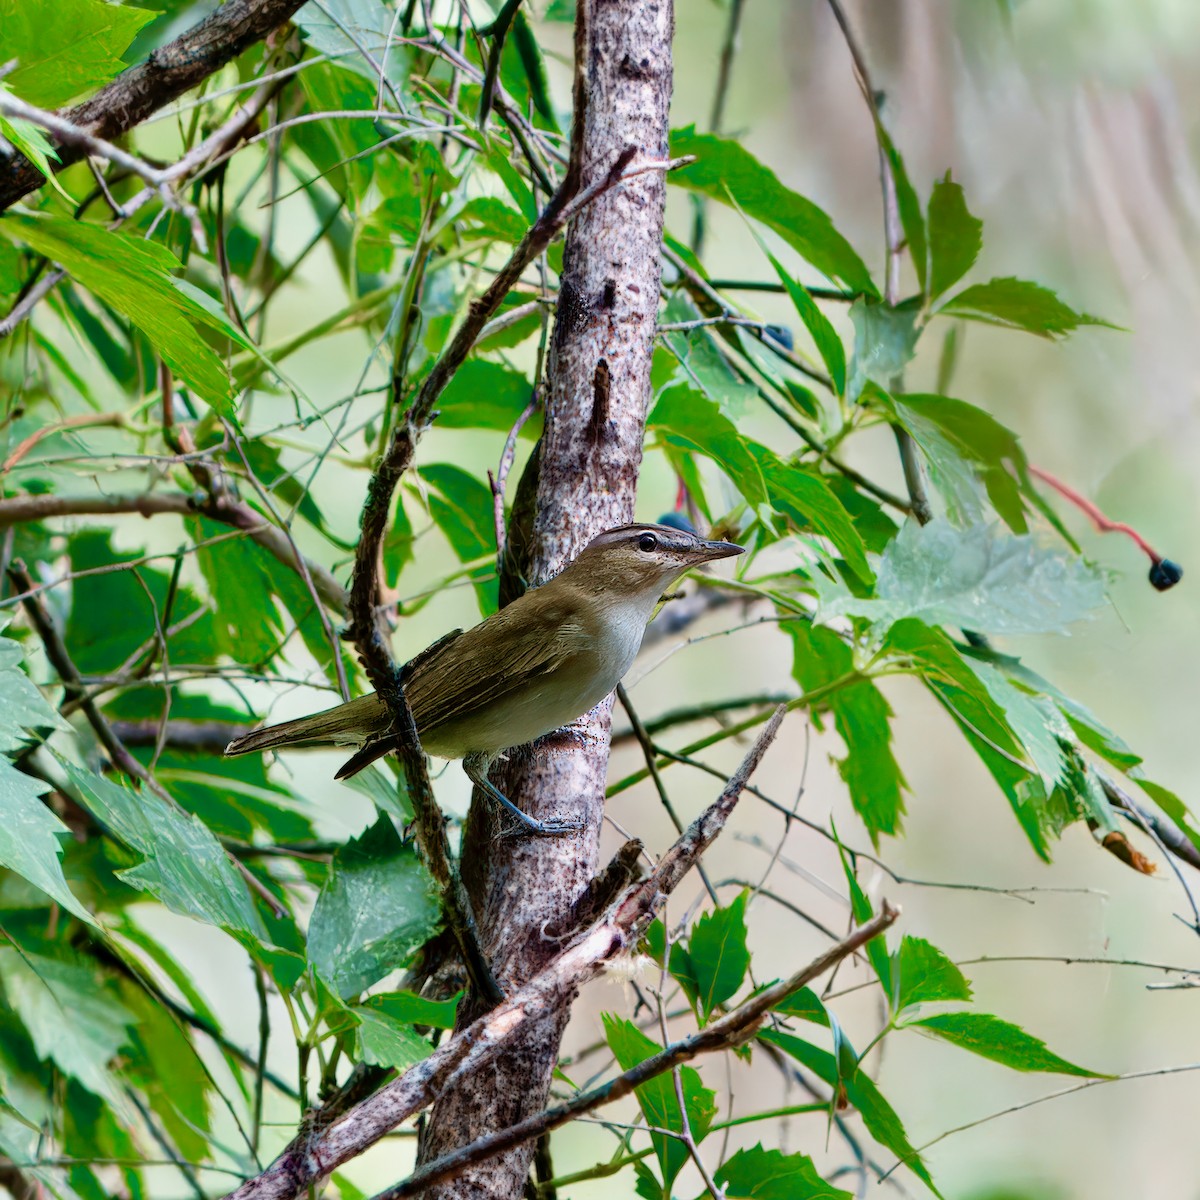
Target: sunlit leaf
(183,865)
(135,277)
(926,975)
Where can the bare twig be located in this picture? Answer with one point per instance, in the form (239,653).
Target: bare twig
(16,510)
(170,71)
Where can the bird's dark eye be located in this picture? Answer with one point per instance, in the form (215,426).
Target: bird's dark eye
(647,542)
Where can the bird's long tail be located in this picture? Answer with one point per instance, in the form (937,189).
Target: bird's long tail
(351,724)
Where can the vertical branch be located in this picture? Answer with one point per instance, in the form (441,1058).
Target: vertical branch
(596,397)
(893,230)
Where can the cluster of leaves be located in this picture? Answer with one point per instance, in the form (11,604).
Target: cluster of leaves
(147,371)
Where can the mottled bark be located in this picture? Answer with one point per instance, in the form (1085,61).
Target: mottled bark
(597,396)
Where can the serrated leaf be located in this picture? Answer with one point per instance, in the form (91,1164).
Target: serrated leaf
(927,976)
(878,1115)
(977,578)
(1019,304)
(412,1009)
(808,500)
(806,1005)
(999,1040)
(71,1018)
(486,395)
(657,1098)
(134,277)
(759,1174)
(377,906)
(462,507)
(955,237)
(862,911)
(719,958)
(693,421)
(885,339)
(726,170)
(702,365)
(982,720)
(966,447)
(64,48)
(862,717)
(385,1042)
(909,205)
(183,864)
(356,34)
(824,336)
(29,838)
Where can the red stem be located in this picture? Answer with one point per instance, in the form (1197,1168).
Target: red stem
(1101,522)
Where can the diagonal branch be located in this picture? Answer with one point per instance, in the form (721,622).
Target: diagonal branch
(729,1031)
(473,1049)
(170,71)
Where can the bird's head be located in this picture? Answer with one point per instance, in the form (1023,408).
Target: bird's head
(642,560)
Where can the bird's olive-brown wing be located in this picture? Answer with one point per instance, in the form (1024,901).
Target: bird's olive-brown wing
(489,663)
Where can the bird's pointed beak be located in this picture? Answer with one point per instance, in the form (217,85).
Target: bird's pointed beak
(711,551)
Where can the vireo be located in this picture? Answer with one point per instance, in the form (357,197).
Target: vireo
(530,668)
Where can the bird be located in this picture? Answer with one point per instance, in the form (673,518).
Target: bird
(548,657)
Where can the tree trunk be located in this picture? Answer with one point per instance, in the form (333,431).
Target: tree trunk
(598,393)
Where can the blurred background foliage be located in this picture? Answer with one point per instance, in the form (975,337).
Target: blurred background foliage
(1068,129)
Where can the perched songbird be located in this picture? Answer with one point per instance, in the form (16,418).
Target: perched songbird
(534,666)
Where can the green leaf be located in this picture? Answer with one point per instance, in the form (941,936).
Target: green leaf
(657,1098)
(719,958)
(878,1115)
(378,905)
(806,1005)
(183,865)
(760,1174)
(463,509)
(828,344)
(691,420)
(977,578)
(862,717)
(134,277)
(28,139)
(964,445)
(65,47)
(486,395)
(385,1042)
(1001,1041)
(909,204)
(861,910)
(927,976)
(955,237)
(726,171)
(412,1009)
(1171,804)
(702,363)
(1019,304)
(356,33)
(885,339)
(808,500)
(30,837)
(72,1019)
(29,830)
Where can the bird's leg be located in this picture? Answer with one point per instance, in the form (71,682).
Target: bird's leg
(476,767)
